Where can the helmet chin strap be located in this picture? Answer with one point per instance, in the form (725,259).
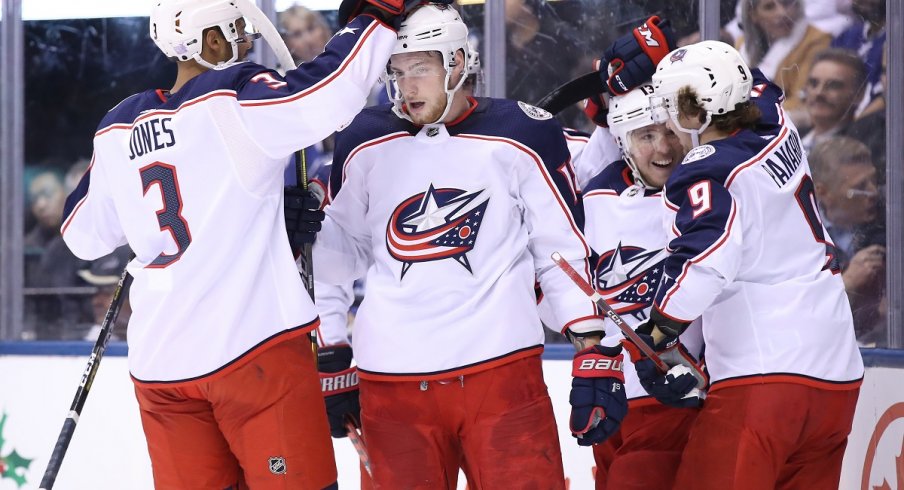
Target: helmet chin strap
(450,94)
(223,64)
(695,133)
(635,170)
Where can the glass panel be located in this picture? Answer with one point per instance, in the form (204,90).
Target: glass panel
(552,42)
(831,68)
(76,70)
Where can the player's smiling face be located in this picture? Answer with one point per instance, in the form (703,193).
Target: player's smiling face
(421,78)
(656,151)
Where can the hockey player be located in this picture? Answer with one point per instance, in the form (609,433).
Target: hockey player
(191,178)
(749,254)
(452,206)
(623,211)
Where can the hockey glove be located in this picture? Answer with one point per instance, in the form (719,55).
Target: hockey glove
(303,216)
(339,383)
(596,109)
(598,401)
(683,385)
(632,58)
(388,11)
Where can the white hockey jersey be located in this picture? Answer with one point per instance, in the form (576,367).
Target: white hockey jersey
(452,224)
(751,255)
(192,181)
(624,228)
(591,157)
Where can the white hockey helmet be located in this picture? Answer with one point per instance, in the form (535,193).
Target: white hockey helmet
(431,27)
(626,113)
(177,27)
(475,70)
(713,69)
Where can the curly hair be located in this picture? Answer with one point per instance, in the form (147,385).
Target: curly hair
(744,116)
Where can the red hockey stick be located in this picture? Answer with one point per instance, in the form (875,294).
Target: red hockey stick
(358,442)
(601,302)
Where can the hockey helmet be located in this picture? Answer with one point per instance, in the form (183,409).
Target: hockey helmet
(431,27)
(713,69)
(177,27)
(626,113)
(475,70)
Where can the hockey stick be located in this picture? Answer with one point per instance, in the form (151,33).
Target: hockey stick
(360,447)
(84,386)
(572,92)
(307,259)
(616,319)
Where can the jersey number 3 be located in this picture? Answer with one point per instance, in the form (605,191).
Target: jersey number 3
(170,216)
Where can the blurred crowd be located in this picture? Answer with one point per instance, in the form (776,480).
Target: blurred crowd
(829,57)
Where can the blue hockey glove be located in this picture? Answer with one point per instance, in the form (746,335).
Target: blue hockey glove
(683,385)
(598,401)
(303,216)
(339,384)
(632,58)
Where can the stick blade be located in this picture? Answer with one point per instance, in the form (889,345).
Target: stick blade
(572,92)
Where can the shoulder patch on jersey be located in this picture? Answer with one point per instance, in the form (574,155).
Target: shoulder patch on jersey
(698,153)
(534,112)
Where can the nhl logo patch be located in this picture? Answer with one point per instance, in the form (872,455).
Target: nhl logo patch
(534,112)
(277,465)
(677,55)
(432,131)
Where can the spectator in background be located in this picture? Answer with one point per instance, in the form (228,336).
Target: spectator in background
(104,274)
(780,42)
(75,173)
(870,126)
(305,31)
(835,85)
(866,37)
(46,195)
(50,267)
(846,189)
(541,53)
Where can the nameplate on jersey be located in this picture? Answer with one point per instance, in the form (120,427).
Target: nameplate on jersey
(150,135)
(781,163)
(698,153)
(534,112)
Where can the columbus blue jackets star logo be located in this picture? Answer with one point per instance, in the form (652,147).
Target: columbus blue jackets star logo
(628,278)
(435,225)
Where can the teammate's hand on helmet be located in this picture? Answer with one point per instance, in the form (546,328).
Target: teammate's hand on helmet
(631,60)
(598,401)
(339,384)
(303,216)
(683,385)
(388,11)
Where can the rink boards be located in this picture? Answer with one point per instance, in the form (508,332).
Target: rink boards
(38,382)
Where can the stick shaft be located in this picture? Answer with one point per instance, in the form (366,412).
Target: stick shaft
(615,317)
(84,386)
(355,437)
